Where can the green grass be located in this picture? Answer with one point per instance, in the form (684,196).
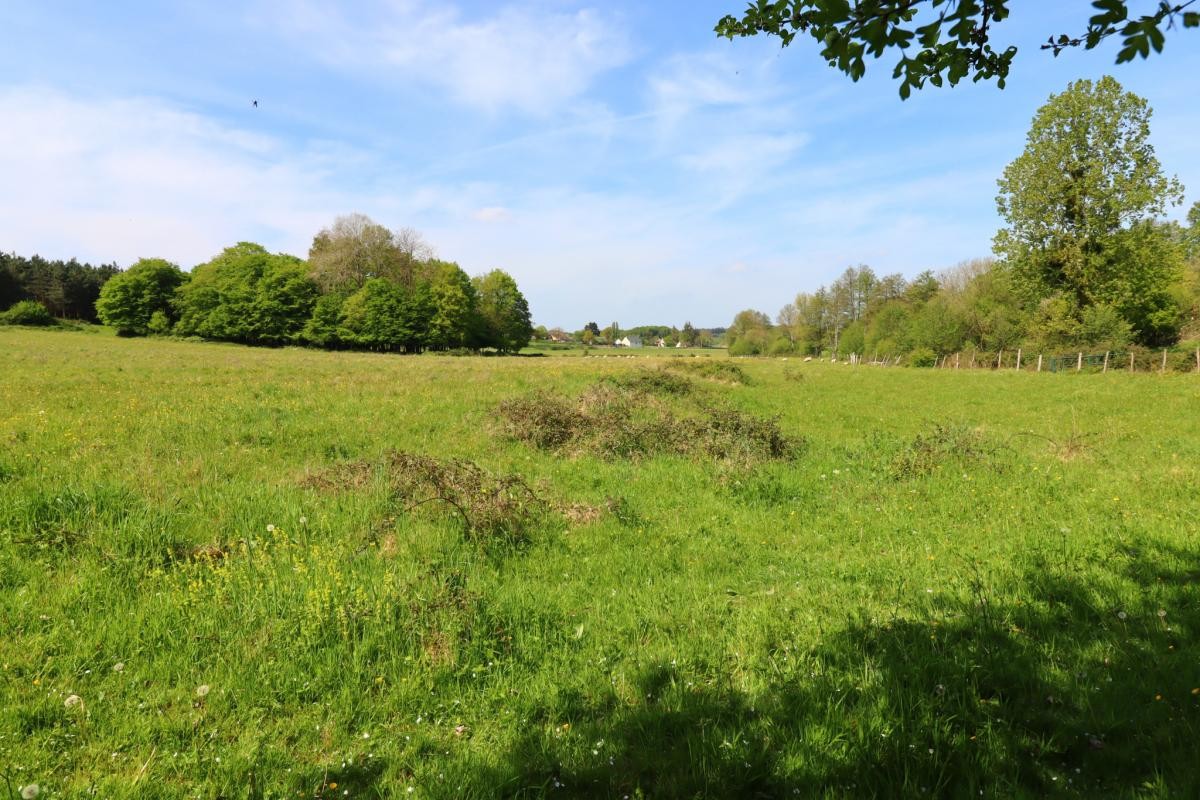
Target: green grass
(965,584)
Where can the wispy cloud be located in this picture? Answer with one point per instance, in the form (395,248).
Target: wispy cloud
(123,178)
(520,57)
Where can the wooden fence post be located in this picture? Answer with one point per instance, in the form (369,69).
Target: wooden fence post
(1198,359)
(1131,361)
(1039,362)
(972,359)
(999,358)
(1163,370)
(1079,363)
(1106,354)
(958,357)
(1018,359)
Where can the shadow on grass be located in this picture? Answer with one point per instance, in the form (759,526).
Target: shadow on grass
(1078,679)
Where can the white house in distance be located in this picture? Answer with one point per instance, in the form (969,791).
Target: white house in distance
(628,341)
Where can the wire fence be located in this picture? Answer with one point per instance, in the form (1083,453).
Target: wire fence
(1162,361)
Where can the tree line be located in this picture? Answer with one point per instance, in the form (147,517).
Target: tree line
(593,334)
(1084,261)
(65,289)
(363,286)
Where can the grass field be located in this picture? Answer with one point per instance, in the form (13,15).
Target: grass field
(215,580)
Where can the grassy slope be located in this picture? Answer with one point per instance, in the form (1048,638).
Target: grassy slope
(823,627)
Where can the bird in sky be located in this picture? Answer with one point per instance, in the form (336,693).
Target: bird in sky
(255,103)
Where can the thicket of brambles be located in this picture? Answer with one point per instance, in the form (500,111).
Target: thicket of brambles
(1084,261)
(362,287)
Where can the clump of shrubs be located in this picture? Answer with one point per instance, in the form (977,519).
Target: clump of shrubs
(651,381)
(942,445)
(922,357)
(492,507)
(27,312)
(614,421)
(712,369)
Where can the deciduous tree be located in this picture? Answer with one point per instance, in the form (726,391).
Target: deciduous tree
(1079,204)
(503,311)
(129,299)
(944,41)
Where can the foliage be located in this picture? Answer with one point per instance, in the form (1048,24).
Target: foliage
(940,41)
(130,299)
(1078,204)
(365,288)
(921,357)
(67,289)
(454,321)
(247,295)
(387,316)
(505,322)
(355,249)
(323,328)
(749,334)
(26,312)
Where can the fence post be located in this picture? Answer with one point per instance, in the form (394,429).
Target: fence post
(1106,354)
(1079,363)
(999,358)
(1198,359)
(1018,359)
(1163,369)
(1039,362)
(972,359)
(1131,361)
(958,357)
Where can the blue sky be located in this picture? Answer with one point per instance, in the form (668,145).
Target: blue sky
(617,158)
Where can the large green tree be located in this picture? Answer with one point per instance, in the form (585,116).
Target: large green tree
(455,306)
(249,295)
(1079,204)
(130,299)
(944,41)
(505,322)
(385,315)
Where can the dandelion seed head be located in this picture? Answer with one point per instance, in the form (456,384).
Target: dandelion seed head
(119,666)
(30,792)
(72,701)
(202,690)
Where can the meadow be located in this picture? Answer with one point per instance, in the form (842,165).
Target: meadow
(276,573)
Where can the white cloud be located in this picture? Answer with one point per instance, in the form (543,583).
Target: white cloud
(492,214)
(527,58)
(118,179)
